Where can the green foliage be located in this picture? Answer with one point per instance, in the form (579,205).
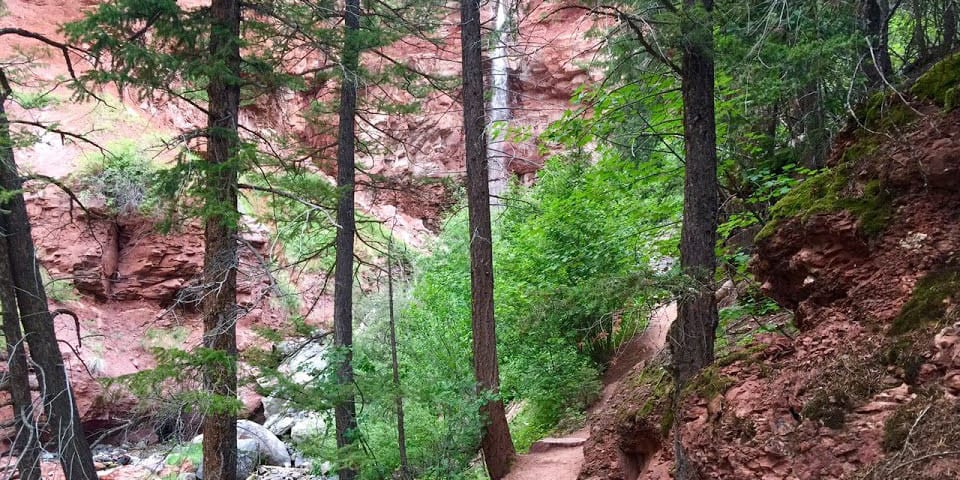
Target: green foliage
(122,179)
(29,100)
(59,290)
(192,452)
(173,381)
(929,301)
(302,218)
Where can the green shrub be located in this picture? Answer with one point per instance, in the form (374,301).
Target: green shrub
(121,179)
(60,290)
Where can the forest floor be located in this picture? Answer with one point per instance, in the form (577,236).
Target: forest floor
(561,458)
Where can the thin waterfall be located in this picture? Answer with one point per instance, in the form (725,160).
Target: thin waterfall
(499,104)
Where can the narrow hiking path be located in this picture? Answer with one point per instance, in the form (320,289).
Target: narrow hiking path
(561,458)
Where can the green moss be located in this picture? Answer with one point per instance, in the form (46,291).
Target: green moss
(746,353)
(659,387)
(654,387)
(709,383)
(939,84)
(829,191)
(886,112)
(951,98)
(929,300)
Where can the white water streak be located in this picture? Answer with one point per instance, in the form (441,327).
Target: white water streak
(499,103)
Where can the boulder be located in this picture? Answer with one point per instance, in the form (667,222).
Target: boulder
(309,426)
(255,446)
(306,361)
(272,450)
(285,473)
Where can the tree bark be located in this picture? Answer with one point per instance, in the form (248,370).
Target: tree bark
(398,399)
(219,305)
(949,26)
(878,65)
(63,419)
(692,335)
(816,134)
(498,452)
(26,442)
(345,408)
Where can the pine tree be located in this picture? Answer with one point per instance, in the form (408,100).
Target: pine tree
(220,259)
(498,452)
(345,408)
(692,335)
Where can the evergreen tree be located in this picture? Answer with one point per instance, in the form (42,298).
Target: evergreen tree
(691,336)
(220,259)
(498,452)
(345,408)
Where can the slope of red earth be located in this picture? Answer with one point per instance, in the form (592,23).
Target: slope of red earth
(868,387)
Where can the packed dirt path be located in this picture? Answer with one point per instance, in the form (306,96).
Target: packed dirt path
(561,458)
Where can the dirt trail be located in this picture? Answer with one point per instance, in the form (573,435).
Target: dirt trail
(561,458)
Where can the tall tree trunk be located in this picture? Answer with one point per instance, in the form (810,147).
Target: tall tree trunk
(878,65)
(63,419)
(498,452)
(398,399)
(816,134)
(949,26)
(26,442)
(345,409)
(220,233)
(918,39)
(692,335)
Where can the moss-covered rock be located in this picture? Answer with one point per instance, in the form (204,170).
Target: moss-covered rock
(832,191)
(940,84)
(709,383)
(928,303)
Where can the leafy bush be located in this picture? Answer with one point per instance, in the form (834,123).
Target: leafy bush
(60,290)
(573,276)
(122,179)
